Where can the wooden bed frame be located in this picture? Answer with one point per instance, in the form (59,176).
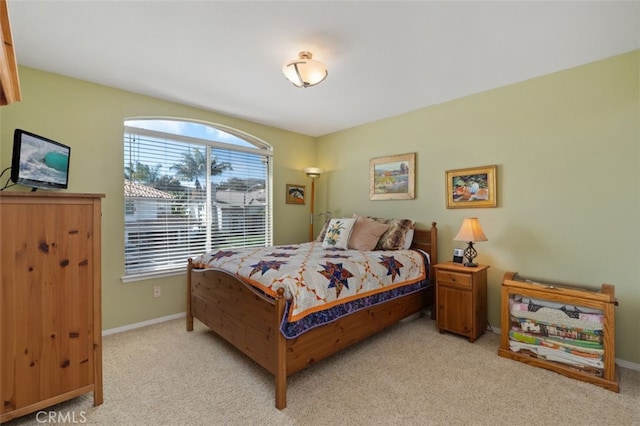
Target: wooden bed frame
(250,321)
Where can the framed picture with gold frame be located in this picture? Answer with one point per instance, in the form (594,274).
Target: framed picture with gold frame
(295,194)
(392,177)
(473,187)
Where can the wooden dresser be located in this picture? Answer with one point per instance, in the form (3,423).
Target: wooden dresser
(50,300)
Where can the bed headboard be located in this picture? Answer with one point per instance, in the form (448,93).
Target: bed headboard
(427,240)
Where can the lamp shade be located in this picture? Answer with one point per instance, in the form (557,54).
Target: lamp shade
(471,231)
(313,172)
(304,71)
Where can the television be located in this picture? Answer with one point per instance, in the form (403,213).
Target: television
(39,162)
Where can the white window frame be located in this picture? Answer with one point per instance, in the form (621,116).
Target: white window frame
(258,147)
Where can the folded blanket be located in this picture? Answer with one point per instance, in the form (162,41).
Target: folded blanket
(579,348)
(556,317)
(538,328)
(555,305)
(570,311)
(557,355)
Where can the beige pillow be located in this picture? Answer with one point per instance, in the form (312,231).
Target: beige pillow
(366,233)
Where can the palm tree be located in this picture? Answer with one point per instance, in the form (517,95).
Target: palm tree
(194,164)
(142,173)
(168,184)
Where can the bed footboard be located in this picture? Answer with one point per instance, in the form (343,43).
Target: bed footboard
(242,316)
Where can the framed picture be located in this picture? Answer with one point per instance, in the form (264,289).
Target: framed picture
(393,177)
(475,187)
(295,194)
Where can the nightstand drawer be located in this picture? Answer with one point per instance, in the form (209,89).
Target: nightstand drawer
(454,278)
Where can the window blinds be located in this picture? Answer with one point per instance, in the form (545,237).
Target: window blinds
(185,196)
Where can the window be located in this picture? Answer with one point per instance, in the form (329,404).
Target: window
(191,188)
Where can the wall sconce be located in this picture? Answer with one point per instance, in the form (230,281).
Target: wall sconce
(313,173)
(304,71)
(471,232)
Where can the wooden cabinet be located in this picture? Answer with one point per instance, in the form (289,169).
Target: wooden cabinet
(461,299)
(566,329)
(50,300)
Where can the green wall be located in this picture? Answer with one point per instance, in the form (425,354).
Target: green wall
(566,146)
(567,150)
(89,118)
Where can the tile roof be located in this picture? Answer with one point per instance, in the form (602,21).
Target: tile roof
(138,190)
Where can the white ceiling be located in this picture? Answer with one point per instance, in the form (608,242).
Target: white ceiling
(384,58)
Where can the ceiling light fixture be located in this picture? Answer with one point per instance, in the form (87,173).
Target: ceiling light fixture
(304,71)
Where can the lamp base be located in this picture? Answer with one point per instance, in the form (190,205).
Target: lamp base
(470,253)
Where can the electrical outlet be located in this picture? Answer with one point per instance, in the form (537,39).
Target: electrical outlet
(156,291)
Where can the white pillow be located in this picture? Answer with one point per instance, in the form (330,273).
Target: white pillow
(338,233)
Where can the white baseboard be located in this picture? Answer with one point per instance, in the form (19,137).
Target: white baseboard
(628,364)
(143,324)
(621,362)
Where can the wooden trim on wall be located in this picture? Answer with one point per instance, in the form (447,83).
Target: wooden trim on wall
(9,82)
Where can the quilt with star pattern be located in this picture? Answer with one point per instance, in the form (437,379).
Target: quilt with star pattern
(322,283)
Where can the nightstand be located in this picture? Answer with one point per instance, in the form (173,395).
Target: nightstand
(461,299)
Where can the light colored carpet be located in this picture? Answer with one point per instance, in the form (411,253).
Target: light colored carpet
(407,375)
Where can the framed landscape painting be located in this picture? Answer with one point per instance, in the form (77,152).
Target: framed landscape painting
(392,177)
(474,187)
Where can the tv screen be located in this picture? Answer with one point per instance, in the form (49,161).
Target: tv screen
(39,162)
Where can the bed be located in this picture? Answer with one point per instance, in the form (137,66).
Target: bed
(251,316)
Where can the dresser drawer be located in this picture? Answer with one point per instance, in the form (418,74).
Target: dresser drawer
(454,279)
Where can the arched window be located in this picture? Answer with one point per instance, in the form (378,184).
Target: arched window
(191,187)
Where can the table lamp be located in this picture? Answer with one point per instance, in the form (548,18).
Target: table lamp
(471,232)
